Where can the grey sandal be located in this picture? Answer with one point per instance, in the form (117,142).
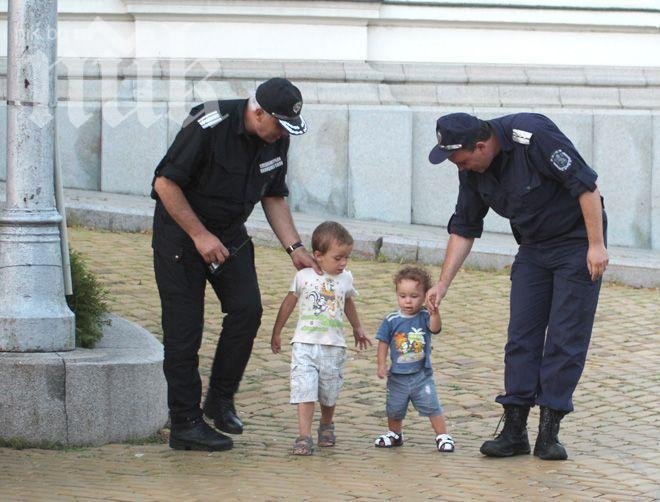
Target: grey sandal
(303,445)
(327,435)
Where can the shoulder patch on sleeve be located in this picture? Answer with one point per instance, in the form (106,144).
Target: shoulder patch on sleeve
(522,137)
(561,160)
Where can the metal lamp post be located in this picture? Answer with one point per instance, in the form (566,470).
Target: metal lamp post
(34,316)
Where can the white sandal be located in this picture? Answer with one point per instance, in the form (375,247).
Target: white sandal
(445,443)
(389,440)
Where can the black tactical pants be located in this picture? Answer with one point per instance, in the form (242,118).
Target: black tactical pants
(181,275)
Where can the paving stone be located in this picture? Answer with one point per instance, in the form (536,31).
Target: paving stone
(468,368)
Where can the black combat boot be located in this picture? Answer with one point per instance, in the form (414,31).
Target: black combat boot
(513,438)
(547,445)
(222,411)
(197,435)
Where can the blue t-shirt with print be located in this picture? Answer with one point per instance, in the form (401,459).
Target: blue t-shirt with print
(409,339)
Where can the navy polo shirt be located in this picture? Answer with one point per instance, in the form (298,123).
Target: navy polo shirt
(222,170)
(534,181)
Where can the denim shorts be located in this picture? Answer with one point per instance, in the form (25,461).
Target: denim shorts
(317,373)
(416,387)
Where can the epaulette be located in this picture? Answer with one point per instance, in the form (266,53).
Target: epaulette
(522,137)
(207,115)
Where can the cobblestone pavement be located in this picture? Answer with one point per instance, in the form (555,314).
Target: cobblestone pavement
(612,437)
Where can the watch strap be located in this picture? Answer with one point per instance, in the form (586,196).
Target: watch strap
(290,249)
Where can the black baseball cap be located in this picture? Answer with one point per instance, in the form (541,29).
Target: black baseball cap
(282,99)
(454,131)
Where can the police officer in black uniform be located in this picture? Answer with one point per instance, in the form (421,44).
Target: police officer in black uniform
(523,167)
(228,156)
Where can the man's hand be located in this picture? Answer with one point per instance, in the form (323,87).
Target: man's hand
(210,248)
(434,296)
(597,261)
(276,343)
(302,259)
(361,340)
(382,371)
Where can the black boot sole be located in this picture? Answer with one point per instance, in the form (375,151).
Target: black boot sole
(504,453)
(177,444)
(557,455)
(227,430)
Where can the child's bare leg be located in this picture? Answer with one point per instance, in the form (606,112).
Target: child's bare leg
(395,425)
(305,415)
(438,424)
(327,414)
(326,427)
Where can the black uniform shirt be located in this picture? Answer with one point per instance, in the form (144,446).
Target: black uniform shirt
(534,181)
(222,170)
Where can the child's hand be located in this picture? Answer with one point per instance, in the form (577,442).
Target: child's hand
(361,339)
(433,309)
(382,371)
(276,343)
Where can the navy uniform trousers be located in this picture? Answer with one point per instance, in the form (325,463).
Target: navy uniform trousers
(181,277)
(553,303)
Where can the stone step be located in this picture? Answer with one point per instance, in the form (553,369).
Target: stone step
(395,242)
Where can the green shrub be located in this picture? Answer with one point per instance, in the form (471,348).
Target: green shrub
(88,302)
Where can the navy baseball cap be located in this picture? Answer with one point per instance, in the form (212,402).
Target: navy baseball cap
(280,98)
(454,131)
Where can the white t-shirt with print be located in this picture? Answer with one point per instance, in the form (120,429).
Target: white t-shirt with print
(321,300)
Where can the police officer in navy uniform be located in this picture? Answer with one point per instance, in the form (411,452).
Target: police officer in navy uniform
(228,156)
(523,167)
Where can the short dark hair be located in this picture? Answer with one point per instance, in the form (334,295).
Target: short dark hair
(327,233)
(414,273)
(485,132)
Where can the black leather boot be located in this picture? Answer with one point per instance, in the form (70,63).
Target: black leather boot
(513,438)
(197,435)
(223,413)
(547,445)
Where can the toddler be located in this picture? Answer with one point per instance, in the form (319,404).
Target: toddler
(406,333)
(318,350)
